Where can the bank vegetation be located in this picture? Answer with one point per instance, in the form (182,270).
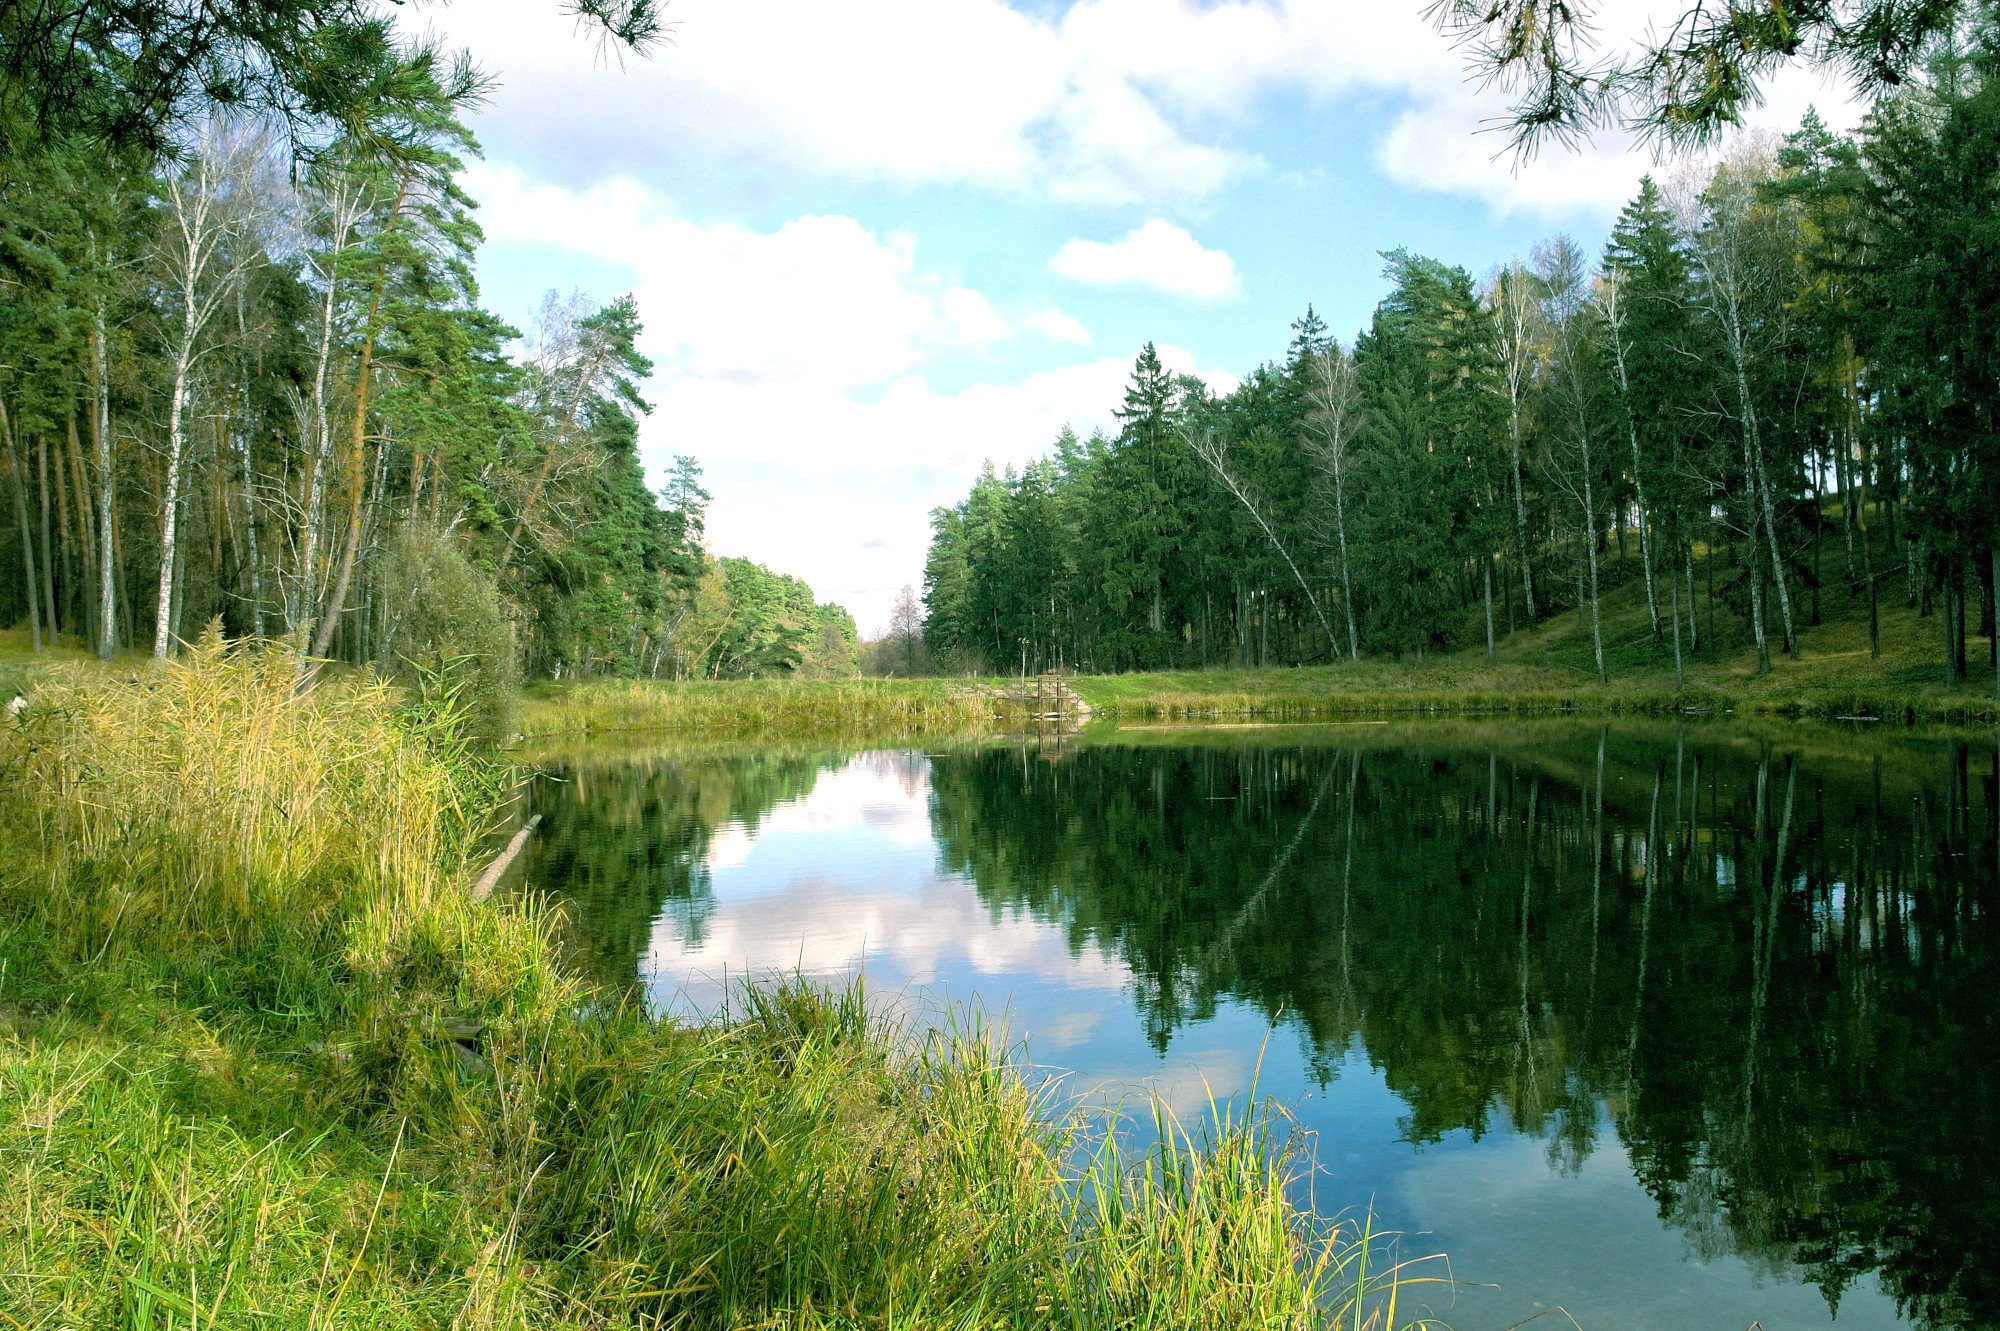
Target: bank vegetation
(264,1061)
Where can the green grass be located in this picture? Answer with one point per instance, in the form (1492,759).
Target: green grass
(850,709)
(263,1063)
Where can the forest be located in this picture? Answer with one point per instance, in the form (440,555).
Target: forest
(1781,372)
(245,377)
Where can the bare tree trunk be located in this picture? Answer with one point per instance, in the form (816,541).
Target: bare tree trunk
(1694,627)
(1756,445)
(1674,607)
(254,547)
(1709,564)
(1638,477)
(100,426)
(1521,524)
(1995,555)
(1209,450)
(180,573)
(86,543)
(319,458)
(66,526)
(1841,462)
(1760,491)
(48,545)
(1755,574)
(1819,521)
(1487,564)
(31,583)
(1514,314)
(585,380)
(1346,571)
(1874,597)
(357,461)
(1590,553)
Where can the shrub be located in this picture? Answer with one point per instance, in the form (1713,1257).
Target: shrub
(444,623)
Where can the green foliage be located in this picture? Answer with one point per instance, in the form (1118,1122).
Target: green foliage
(1689,79)
(343,384)
(446,628)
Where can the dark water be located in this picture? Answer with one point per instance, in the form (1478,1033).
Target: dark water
(1672,1029)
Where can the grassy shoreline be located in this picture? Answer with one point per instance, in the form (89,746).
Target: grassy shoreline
(890,710)
(264,1062)
(1459,688)
(785,709)
(1544,670)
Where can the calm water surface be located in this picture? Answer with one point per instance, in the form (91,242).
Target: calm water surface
(1670,1028)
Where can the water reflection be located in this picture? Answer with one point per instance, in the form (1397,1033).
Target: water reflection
(1676,1026)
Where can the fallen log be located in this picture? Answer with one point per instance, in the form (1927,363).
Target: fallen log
(494,871)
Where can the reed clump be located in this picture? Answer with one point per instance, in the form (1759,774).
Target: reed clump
(263,1062)
(210,799)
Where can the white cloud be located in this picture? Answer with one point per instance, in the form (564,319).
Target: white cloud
(791,363)
(818,300)
(1107,102)
(1158,255)
(817,482)
(1056,326)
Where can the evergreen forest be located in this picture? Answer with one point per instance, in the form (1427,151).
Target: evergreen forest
(1779,375)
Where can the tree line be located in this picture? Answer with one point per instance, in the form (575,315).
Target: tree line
(245,377)
(1778,373)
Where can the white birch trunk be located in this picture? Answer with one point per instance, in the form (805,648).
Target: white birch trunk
(107,640)
(170,508)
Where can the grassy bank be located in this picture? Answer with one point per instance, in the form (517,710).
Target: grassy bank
(1550,669)
(848,709)
(262,1062)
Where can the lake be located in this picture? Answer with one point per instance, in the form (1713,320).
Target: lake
(1669,1027)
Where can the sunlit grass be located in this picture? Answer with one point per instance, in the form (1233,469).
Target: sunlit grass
(858,709)
(264,1063)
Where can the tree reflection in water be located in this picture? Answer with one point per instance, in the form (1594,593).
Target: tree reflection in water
(1767,965)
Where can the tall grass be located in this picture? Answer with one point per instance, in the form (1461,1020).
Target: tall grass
(857,710)
(210,800)
(262,1062)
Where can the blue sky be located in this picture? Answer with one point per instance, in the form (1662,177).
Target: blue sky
(877,245)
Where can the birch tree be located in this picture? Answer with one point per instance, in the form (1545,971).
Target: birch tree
(1573,466)
(588,360)
(1516,307)
(1740,287)
(199,263)
(1333,422)
(1612,309)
